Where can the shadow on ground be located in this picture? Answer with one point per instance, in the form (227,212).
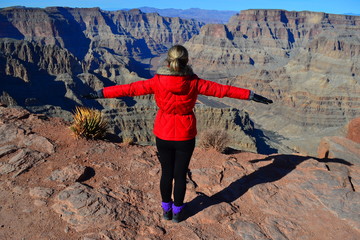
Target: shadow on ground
(280,166)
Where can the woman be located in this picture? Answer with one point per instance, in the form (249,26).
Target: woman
(176,88)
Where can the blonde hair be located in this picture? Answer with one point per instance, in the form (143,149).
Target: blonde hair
(178,58)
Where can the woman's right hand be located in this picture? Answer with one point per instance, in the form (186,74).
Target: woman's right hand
(95,95)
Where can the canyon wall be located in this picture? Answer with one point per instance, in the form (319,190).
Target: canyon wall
(307,62)
(100,39)
(50,57)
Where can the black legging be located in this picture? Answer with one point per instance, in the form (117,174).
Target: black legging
(174,158)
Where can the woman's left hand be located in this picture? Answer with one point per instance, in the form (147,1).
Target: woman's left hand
(261,99)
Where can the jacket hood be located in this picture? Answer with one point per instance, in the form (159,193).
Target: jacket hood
(175,82)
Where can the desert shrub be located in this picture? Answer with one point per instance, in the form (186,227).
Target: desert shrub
(128,140)
(89,123)
(217,139)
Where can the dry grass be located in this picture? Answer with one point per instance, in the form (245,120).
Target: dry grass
(89,124)
(128,140)
(217,139)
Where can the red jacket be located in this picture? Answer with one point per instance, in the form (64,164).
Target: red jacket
(175,96)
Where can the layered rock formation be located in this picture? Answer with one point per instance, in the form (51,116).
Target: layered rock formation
(306,61)
(264,38)
(88,32)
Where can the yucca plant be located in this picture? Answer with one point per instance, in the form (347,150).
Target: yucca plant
(89,123)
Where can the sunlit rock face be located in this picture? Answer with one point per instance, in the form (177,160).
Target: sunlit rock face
(308,62)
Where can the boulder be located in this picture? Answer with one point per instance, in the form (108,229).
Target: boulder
(339,147)
(84,207)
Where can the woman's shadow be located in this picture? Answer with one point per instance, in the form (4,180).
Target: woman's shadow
(282,165)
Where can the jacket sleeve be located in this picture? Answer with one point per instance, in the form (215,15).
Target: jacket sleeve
(209,88)
(138,88)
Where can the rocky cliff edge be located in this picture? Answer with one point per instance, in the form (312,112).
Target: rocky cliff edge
(55,187)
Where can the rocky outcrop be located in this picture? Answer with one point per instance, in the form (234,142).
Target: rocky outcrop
(70,174)
(235,196)
(347,148)
(25,148)
(353,130)
(339,147)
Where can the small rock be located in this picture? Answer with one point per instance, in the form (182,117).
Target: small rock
(19,158)
(27,210)
(22,161)
(41,192)
(90,238)
(8,133)
(39,143)
(70,173)
(154,172)
(18,189)
(7,149)
(39,203)
(6,168)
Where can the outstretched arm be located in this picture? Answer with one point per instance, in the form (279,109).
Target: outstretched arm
(214,89)
(210,88)
(133,89)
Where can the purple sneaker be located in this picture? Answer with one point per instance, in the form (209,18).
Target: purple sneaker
(167,210)
(178,213)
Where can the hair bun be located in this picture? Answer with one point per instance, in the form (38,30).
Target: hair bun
(178,58)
